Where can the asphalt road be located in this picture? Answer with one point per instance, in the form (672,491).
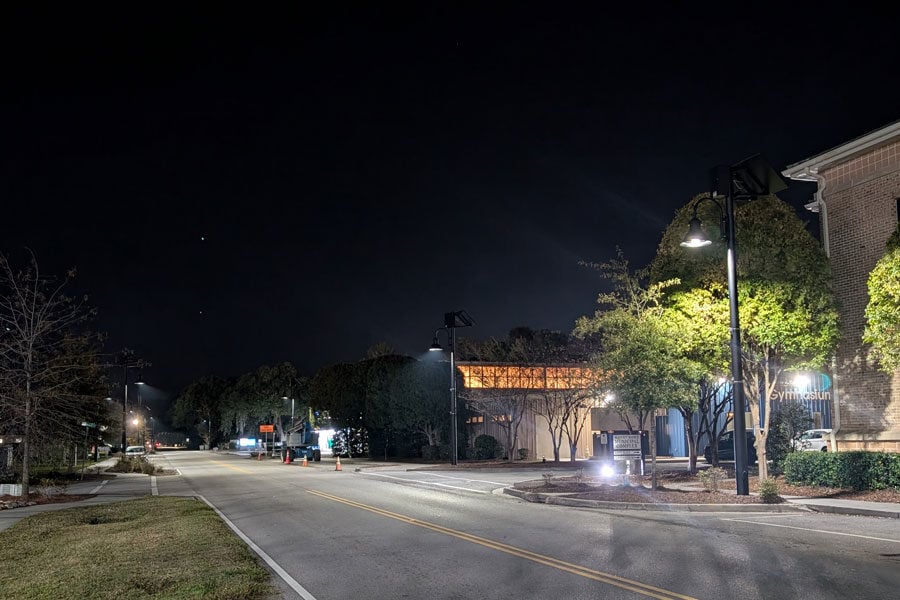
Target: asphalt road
(390,533)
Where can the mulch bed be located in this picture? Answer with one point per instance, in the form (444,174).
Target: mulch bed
(17,501)
(639,490)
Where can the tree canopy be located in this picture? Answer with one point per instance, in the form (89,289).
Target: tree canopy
(787,312)
(882,329)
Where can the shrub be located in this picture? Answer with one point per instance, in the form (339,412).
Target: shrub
(51,487)
(523,453)
(487,447)
(579,477)
(768,491)
(431,452)
(858,470)
(711,477)
(785,425)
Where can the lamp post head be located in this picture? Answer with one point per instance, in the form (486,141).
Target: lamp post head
(435,347)
(696,237)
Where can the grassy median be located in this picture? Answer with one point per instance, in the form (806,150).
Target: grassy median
(154,547)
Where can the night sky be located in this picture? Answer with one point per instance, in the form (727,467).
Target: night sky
(247,188)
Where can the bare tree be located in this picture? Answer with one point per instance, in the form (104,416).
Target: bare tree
(506,408)
(46,357)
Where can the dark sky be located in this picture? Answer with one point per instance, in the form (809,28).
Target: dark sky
(247,188)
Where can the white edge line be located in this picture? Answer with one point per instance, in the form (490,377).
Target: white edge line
(434,483)
(154,491)
(268,559)
(856,535)
(467,479)
(97,489)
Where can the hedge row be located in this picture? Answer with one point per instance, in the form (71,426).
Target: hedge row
(858,470)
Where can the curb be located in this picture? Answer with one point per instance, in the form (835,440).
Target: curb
(582,503)
(852,511)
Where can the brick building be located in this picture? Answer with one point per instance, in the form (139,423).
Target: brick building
(857,197)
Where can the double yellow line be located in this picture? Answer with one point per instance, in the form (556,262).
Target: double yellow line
(614,580)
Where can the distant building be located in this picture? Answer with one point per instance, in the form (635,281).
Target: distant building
(502,394)
(857,197)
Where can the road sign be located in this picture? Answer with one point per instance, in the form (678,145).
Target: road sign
(267,429)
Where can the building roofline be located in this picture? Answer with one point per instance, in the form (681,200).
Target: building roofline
(807,170)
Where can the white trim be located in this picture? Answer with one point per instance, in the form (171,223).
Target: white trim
(809,168)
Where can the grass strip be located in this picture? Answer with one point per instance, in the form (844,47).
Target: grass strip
(155,547)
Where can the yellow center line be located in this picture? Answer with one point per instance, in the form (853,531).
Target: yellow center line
(232,467)
(608,578)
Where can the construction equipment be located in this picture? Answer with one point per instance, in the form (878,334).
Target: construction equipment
(303,441)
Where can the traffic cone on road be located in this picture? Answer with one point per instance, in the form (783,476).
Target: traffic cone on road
(287,457)
(305,461)
(337,465)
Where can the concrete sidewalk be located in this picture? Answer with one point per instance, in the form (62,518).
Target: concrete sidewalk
(120,486)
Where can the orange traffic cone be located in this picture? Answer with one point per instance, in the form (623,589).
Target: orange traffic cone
(287,457)
(337,465)
(305,461)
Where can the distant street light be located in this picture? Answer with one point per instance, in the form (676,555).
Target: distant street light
(128,361)
(452,321)
(747,179)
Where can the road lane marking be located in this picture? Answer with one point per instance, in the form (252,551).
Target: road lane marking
(467,479)
(97,489)
(154,491)
(295,585)
(856,535)
(608,578)
(232,467)
(423,482)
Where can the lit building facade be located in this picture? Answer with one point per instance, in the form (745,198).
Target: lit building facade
(857,196)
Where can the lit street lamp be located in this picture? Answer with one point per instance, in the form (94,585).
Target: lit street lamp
(452,321)
(129,362)
(749,178)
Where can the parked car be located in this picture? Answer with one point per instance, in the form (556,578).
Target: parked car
(815,440)
(726,448)
(135,451)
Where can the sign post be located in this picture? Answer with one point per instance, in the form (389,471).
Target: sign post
(267,429)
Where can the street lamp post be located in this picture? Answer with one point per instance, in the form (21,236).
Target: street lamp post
(747,179)
(128,362)
(452,320)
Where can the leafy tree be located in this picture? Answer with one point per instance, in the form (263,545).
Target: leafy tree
(882,329)
(339,390)
(697,321)
(641,360)
(258,397)
(48,359)
(200,402)
(380,401)
(787,313)
(421,400)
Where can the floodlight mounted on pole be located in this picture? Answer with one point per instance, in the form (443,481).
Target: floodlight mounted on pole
(452,320)
(749,178)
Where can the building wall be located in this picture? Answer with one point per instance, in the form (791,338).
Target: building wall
(534,436)
(861,197)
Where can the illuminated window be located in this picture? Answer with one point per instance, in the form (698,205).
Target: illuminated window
(534,378)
